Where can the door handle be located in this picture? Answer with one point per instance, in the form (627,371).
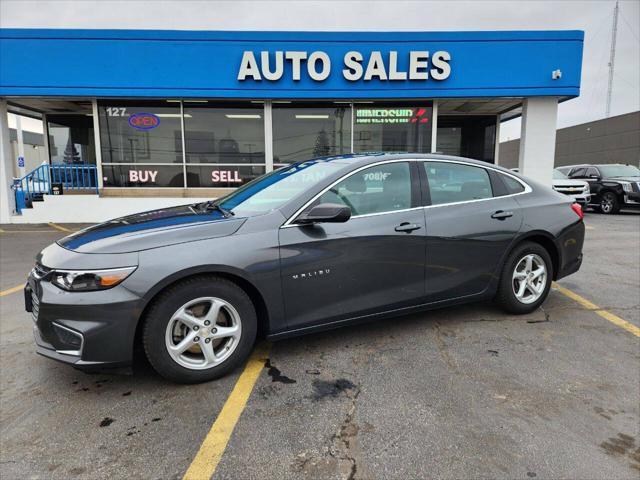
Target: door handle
(501,215)
(407,227)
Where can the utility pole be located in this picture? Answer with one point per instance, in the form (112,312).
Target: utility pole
(612,58)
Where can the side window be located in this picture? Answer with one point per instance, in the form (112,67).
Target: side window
(513,186)
(592,171)
(578,173)
(453,182)
(383,188)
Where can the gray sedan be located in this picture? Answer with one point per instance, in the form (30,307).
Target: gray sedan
(314,245)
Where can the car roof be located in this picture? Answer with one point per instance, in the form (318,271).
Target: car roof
(375,157)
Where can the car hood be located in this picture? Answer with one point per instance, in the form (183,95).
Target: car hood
(156,228)
(623,179)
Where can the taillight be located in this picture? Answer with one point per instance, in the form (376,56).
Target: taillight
(578,209)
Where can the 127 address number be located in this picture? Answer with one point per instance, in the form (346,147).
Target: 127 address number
(116,111)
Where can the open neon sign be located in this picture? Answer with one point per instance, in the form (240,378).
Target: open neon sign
(144,121)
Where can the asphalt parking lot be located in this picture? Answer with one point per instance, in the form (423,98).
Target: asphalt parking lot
(467,392)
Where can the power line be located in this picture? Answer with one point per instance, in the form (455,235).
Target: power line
(612,57)
(630,27)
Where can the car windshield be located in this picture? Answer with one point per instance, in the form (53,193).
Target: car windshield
(271,191)
(558,175)
(619,171)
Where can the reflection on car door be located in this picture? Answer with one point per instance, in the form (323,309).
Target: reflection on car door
(332,271)
(468,229)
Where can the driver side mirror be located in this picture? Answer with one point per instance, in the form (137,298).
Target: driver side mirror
(325,213)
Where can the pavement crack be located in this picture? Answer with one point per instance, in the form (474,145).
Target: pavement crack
(443,348)
(343,442)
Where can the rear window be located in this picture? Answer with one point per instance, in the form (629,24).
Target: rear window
(454,182)
(513,186)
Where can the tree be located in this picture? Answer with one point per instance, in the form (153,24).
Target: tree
(71,155)
(321,147)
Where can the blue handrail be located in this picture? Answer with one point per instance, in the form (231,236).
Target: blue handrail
(81,176)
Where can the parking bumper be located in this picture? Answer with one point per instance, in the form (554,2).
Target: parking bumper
(86,330)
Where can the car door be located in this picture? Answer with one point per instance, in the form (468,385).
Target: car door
(372,262)
(591,175)
(471,220)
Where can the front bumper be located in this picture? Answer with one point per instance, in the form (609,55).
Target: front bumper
(583,200)
(85,329)
(632,199)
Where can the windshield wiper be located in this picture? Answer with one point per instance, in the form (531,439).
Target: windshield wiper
(208,205)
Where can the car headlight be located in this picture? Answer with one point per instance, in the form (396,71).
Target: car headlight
(626,186)
(586,189)
(89,280)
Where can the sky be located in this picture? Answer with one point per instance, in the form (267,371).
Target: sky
(594,17)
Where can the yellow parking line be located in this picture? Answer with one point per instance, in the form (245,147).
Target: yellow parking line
(58,227)
(27,231)
(11,290)
(208,457)
(589,227)
(616,320)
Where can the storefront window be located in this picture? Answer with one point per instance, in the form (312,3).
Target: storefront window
(71,139)
(304,131)
(471,136)
(392,127)
(229,134)
(139,141)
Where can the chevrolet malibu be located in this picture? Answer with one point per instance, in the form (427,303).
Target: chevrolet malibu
(314,245)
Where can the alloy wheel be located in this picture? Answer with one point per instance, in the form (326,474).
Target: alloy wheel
(203,333)
(606,204)
(529,278)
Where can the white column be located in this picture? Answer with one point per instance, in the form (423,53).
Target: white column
(434,127)
(20,138)
(7,199)
(96,140)
(496,152)
(538,138)
(268,136)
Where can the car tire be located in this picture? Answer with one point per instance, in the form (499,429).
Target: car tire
(609,203)
(507,296)
(192,301)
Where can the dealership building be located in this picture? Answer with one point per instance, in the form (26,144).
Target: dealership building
(137,119)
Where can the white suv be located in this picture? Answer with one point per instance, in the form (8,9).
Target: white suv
(578,189)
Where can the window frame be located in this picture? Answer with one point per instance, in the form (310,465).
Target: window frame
(490,172)
(418,179)
(416,197)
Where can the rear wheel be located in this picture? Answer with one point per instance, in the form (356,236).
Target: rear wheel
(199,330)
(526,279)
(609,203)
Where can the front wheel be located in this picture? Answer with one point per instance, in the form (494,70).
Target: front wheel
(526,279)
(199,330)
(609,203)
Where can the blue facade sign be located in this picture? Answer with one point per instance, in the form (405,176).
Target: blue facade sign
(349,65)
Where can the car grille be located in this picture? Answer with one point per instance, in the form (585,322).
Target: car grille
(569,189)
(35,306)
